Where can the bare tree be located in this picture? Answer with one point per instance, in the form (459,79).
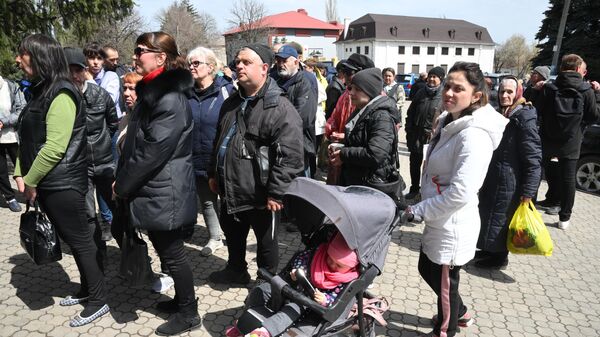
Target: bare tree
(248,16)
(189,27)
(331,10)
(514,55)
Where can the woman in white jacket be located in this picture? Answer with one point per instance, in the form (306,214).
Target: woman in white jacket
(457,159)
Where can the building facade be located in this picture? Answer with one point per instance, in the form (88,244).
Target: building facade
(415,44)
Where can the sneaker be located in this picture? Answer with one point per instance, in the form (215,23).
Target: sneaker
(79,320)
(464,321)
(14,206)
(553,210)
(227,276)
(564,224)
(162,283)
(211,247)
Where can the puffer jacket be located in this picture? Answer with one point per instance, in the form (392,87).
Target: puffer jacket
(369,151)
(272,123)
(155,172)
(514,171)
(205,109)
(101,123)
(453,172)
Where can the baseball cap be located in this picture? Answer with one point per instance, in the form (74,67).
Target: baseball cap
(286,51)
(75,56)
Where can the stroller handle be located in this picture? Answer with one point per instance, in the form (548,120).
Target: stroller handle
(296,296)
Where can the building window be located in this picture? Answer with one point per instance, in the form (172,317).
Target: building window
(458,51)
(428,67)
(358,50)
(366,50)
(346,49)
(471,51)
(401,50)
(350,49)
(445,67)
(401,68)
(415,69)
(416,50)
(444,50)
(430,50)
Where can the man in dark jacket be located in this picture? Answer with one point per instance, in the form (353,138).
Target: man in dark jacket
(334,90)
(298,89)
(565,106)
(419,119)
(419,84)
(101,124)
(256,154)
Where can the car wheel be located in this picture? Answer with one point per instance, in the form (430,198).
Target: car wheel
(588,174)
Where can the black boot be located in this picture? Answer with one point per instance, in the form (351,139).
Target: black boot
(169,307)
(187,319)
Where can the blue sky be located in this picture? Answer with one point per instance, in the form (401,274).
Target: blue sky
(502,18)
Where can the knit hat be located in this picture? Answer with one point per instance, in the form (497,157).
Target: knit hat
(75,56)
(369,81)
(544,71)
(437,71)
(339,251)
(358,62)
(263,51)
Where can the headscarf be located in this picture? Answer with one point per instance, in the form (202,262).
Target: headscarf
(325,278)
(518,100)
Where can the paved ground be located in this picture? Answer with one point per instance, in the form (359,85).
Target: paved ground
(534,296)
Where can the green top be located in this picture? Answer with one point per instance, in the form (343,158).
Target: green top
(59,127)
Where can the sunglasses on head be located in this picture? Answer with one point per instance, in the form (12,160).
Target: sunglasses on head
(141,50)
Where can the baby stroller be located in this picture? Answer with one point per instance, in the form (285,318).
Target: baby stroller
(365,217)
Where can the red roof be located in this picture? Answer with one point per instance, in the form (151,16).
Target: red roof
(298,19)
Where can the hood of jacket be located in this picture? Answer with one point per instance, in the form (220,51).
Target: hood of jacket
(569,79)
(174,80)
(485,118)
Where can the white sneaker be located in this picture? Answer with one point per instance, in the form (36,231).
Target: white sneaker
(163,283)
(564,224)
(211,247)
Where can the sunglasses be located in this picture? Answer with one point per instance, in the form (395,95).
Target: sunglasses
(196,64)
(140,50)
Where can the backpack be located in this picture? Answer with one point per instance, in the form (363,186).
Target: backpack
(566,109)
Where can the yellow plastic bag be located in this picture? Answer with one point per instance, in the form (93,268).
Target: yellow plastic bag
(527,233)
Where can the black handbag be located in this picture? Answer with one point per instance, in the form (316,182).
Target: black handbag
(135,263)
(38,237)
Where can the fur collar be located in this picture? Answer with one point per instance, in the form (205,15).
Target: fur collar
(174,80)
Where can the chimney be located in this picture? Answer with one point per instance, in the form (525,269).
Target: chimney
(302,11)
(346,25)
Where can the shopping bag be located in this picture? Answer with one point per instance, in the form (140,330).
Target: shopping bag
(38,237)
(527,233)
(135,265)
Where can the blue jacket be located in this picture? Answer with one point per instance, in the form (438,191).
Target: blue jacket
(206,106)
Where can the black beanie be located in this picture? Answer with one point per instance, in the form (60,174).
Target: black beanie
(369,81)
(437,71)
(264,52)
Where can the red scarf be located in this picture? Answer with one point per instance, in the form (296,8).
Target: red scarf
(325,278)
(153,74)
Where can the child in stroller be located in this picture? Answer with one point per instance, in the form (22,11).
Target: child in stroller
(361,218)
(331,267)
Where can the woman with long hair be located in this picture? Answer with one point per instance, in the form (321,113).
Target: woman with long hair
(52,164)
(457,160)
(155,174)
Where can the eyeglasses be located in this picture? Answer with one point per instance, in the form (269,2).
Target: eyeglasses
(140,50)
(196,64)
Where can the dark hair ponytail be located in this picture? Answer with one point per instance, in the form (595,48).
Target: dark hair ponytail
(474,76)
(165,43)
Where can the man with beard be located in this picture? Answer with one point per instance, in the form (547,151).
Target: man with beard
(419,119)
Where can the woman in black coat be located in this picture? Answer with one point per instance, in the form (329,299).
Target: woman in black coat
(369,155)
(155,172)
(513,175)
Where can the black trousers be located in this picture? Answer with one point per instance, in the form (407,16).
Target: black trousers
(236,227)
(103,184)
(561,178)
(443,280)
(169,246)
(67,211)
(10,150)
(415,140)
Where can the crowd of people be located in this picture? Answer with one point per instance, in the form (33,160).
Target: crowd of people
(142,146)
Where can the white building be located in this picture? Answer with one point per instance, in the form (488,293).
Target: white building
(414,44)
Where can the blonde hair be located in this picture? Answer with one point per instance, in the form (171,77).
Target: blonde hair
(208,55)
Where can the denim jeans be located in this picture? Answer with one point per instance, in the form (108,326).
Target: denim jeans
(209,207)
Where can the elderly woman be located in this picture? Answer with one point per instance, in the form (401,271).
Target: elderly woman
(513,175)
(468,132)
(369,155)
(210,91)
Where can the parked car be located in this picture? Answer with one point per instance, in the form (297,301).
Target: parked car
(588,165)
(407,81)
